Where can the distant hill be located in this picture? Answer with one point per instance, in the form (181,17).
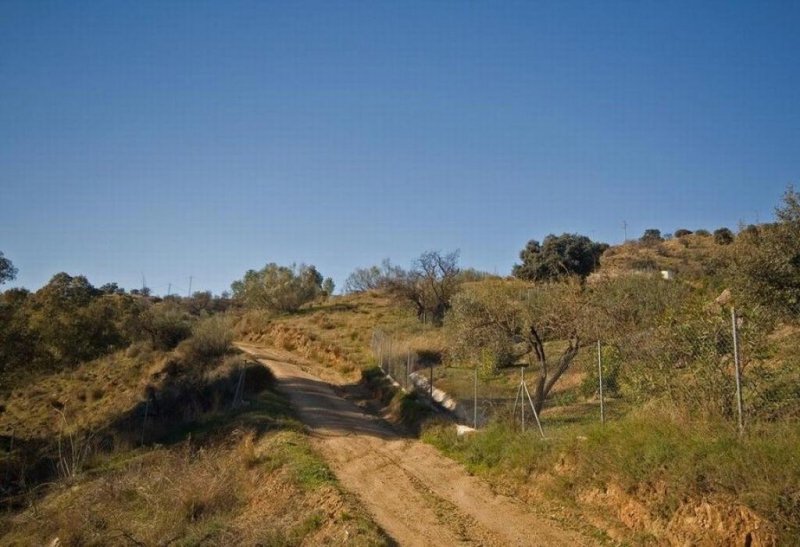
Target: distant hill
(692,257)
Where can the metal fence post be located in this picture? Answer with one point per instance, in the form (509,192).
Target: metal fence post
(738,367)
(475,401)
(600,381)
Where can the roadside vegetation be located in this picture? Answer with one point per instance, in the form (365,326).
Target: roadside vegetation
(670,464)
(131,419)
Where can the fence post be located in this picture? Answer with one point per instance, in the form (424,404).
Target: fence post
(475,401)
(522,381)
(600,380)
(408,369)
(738,367)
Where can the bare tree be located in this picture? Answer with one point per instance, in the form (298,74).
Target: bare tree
(430,285)
(374,277)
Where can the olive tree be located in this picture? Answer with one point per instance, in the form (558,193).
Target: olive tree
(539,325)
(279,288)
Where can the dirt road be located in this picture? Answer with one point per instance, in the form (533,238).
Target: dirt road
(417,495)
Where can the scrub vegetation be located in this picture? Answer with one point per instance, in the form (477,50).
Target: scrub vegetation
(132,403)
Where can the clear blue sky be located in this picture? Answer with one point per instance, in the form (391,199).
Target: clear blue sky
(206,138)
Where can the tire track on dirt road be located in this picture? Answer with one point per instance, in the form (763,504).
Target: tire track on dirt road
(417,495)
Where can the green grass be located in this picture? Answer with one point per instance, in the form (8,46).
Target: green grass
(761,469)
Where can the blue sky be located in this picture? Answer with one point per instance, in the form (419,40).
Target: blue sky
(202,139)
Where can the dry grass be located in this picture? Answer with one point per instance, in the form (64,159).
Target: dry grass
(232,492)
(689,257)
(246,476)
(90,395)
(337,333)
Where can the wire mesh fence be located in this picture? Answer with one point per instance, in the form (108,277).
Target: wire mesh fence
(717,365)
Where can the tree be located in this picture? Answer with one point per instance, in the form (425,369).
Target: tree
(723,236)
(680,232)
(559,257)
(521,320)
(328,286)
(279,288)
(73,322)
(374,277)
(7,270)
(651,236)
(767,260)
(111,288)
(429,285)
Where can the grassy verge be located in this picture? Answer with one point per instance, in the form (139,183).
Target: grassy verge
(409,410)
(656,459)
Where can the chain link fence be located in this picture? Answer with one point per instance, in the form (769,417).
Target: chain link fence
(717,365)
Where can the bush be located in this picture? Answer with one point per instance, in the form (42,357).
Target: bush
(702,233)
(211,338)
(651,236)
(279,288)
(723,236)
(167,325)
(683,232)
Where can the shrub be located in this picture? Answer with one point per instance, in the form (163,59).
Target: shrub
(211,338)
(167,325)
(682,232)
(651,236)
(279,288)
(723,236)
(702,233)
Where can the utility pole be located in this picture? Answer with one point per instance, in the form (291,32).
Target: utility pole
(625,229)
(189,294)
(169,288)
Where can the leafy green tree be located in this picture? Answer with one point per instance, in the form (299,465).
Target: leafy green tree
(723,236)
(767,260)
(111,288)
(18,343)
(559,257)
(279,288)
(73,321)
(651,236)
(7,270)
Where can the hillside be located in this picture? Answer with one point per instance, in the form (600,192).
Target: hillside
(138,448)
(694,257)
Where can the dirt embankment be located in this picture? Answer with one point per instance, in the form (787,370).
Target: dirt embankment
(696,522)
